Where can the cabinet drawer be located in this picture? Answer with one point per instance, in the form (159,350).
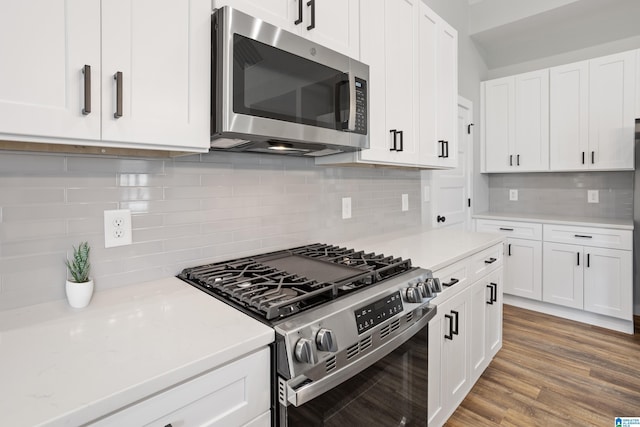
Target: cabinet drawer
(516,229)
(235,394)
(589,236)
(455,275)
(486,261)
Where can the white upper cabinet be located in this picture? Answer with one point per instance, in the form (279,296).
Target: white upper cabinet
(44,46)
(516,123)
(413,87)
(611,111)
(569,117)
(331,23)
(160,60)
(60,87)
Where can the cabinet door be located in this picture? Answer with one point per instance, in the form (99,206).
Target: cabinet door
(479,298)
(569,117)
(499,123)
(336,25)
(281,13)
(563,274)
(493,338)
(391,24)
(608,282)
(455,351)
(165,65)
(523,268)
(638,83)
(611,111)
(531,144)
(44,46)
(435,398)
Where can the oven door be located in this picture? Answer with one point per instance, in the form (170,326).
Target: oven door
(391,392)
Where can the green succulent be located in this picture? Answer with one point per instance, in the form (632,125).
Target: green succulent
(79,266)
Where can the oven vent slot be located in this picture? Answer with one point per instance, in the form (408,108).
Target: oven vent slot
(352,351)
(409,317)
(330,364)
(384,332)
(365,343)
(282,392)
(395,325)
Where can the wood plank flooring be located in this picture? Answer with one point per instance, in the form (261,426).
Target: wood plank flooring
(555,372)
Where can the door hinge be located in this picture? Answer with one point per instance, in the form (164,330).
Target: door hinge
(468,202)
(469,128)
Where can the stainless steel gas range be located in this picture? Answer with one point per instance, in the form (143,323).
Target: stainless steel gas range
(351,331)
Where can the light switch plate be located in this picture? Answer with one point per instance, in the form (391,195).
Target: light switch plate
(346,207)
(405,202)
(513,195)
(593,196)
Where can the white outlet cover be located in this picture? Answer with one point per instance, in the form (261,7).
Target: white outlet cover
(593,196)
(513,195)
(117,228)
(346,207)
(405,202)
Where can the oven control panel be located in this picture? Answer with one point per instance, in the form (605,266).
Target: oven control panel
(373,314)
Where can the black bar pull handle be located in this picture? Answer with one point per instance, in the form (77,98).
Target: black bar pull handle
(490,302)
(578,254)
(495,292)
(299,20)
(118,78)
(583,236)
(588,260)
(455,330)
(593,157)
(446,143)
(312,3)
(490,260)
(86,70)
(395,133)
(518,160)
(509,249)
(449,336)
(583,157)
(510,159)
(401,133)
(506,229)
(441,148)
(451,283)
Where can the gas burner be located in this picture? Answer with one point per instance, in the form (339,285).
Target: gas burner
(279,284)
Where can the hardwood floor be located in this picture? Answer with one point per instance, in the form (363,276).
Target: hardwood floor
(555,372)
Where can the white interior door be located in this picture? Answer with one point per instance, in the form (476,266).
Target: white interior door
(451,188)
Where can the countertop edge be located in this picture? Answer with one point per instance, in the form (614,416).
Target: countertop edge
(544,219)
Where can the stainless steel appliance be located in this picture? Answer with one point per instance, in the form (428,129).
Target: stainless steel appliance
(351,331)
(276,92)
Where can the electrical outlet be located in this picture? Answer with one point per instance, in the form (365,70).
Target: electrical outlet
(117,228)
(513,195)
(593,196)
(405,202)
(346,207)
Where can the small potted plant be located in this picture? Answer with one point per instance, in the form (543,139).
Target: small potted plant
(80,288)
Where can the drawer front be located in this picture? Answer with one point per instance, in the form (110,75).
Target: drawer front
(486,261)
(454,276)
(589,236)
(235,394)
(514,229)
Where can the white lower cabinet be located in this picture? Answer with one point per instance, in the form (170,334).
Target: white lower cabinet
(523,268)
(464,335)
(563,274)
(237,394)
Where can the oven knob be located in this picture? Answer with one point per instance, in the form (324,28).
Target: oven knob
(425,290)
(413,294)
(437,285)
(326,340)
(305,351)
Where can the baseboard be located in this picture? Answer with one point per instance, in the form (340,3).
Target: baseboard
(626,326)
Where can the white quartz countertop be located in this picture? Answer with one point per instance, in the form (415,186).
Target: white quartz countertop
(61,366)
(622,224)
(432,249)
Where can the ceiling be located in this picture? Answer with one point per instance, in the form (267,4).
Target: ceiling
(510,32)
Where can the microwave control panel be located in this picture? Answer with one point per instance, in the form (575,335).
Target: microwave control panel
(378,311)
(361,106)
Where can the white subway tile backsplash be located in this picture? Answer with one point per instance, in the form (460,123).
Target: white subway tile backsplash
(185,211)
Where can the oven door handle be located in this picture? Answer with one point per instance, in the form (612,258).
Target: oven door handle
(310,391)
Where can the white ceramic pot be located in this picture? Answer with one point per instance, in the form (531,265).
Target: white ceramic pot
(79,294)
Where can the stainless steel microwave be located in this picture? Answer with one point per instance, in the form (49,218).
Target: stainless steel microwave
(276,92)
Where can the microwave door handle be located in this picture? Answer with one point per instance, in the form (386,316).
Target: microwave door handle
(342,80)
(351,124)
